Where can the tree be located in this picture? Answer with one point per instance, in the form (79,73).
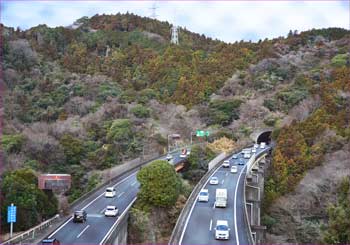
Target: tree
(120,130)
(160,185)
(20,187)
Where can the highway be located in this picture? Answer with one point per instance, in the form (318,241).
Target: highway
(94,230)
(200,224)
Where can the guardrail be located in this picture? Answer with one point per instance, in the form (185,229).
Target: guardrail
(32,231)
(250,165)
(179,226)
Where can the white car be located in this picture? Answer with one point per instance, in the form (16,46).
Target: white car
(234,169)
(254,150)
(262,145)
(169,157)
(203,195)
(222,232)
(110,192)
(256,145)
(214,180)
(246,155)
(226,164)
(111,211)
(234,156)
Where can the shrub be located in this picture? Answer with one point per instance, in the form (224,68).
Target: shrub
(340,60)
(223,112)
(120,130)
(141,111)
(12,143)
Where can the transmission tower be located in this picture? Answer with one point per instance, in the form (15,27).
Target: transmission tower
(154,11)
(174,35)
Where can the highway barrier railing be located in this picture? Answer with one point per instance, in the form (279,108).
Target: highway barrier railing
(254,159)
(179,226)
(31,232)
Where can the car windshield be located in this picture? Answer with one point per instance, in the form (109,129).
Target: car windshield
(78,212)
(110,209)
(109,190)
(214,178)
(203,194)
(222,228)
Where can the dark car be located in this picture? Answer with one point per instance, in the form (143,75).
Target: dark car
(50,241)
(79,216)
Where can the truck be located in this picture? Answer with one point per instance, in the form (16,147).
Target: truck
(221,198)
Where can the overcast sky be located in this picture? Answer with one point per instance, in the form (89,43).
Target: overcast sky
(225,20)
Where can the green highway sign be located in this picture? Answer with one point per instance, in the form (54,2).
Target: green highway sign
(201,133)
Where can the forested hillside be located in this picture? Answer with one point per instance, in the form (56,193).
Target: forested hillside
(107,88)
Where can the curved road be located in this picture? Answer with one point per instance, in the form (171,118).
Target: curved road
(200,224)
(94,230)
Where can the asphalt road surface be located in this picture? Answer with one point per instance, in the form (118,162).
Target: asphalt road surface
(97,225)
(199,227)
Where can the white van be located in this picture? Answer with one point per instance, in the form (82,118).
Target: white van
(222,231)
(262,145)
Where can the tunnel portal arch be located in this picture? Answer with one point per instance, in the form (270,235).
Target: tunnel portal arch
(264,137)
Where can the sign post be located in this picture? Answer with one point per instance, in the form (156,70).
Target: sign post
(11,217)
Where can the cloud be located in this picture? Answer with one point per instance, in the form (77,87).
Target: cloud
(225,20)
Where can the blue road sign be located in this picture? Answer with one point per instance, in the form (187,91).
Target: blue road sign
(11,214)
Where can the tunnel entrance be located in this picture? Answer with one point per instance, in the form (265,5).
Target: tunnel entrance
(264,137)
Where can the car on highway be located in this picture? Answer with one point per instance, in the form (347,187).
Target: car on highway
(79,216)
(169,157)
(226,164)
(111,211)
(203,195)
(241,162)
(254,150)
(110,192)
(53,241)
(256,145)
(234,169)
(222,231)
(246,155)
(234,156)
(214,180)
(262,145)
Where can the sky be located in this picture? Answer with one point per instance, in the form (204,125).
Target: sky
(229,21)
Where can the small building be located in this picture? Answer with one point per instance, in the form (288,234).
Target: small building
(55,182)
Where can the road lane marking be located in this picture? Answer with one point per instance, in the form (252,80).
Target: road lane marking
(133,183)
(113,226)
(87,205)
(81,233)
(226,174)
(121,194)
(61,227)
(235,205)
(222,182)
(211,223)
(214,205)
(194,203)
(102,211)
